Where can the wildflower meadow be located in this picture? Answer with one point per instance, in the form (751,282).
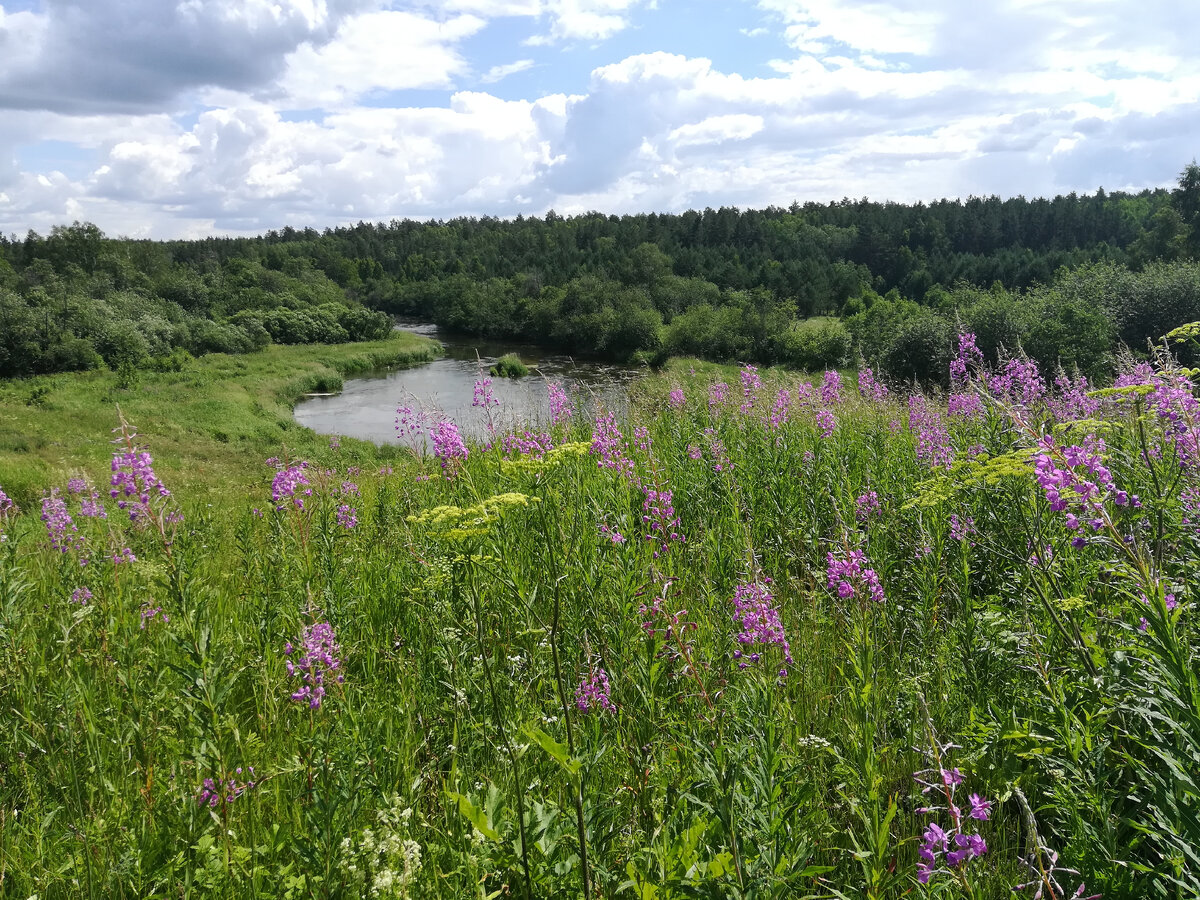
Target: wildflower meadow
(759,637)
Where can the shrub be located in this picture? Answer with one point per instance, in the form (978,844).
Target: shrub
(509,366)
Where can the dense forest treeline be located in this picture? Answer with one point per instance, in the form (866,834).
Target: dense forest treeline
(810,286)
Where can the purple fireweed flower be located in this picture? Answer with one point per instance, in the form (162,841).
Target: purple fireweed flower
(675,399)
(59,525)
(6,505)
(759,624)
(81,595)
(612,534)
(1178,410)
(290,484)
(694,451)
(484,397)
(349,488)
(980,808)
(1140,373)
(967,358)
(826,423)
(849,578)
(448,444)
(152,613)
(953,845)
(1071,400)
(658,621)
(804,395)
(560,405)
(751,385)
(866,506)
(781,410)
(410,423)
(658,515)
(1018,383)
(347,516)
(123,556)
(317,658)
(964,406)
(642,439)
(527,444)
(593,693)
(869,388)
(134,483)
(91,507)
(933,441)
(609,444)
(335,442)
(76,486)
(716,448)
(214,792)
(961,528)
(1076,481)
(717,394)
(831,389)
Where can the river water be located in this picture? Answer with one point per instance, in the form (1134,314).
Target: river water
(366,406)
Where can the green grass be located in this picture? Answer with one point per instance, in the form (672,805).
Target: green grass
(471,603)
(210,424)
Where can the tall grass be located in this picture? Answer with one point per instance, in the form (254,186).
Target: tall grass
(651,662)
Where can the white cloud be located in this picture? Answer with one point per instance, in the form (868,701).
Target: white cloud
(499,73)
(569,20)
(716,129)
(876,27)
(896,99)
(387,50)
(103,56)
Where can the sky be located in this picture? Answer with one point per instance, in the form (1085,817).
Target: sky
(186,118)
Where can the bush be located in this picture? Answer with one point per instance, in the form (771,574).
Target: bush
(509,366)
(814,345)
(920,351)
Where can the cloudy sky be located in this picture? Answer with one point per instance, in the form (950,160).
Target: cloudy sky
(180,118)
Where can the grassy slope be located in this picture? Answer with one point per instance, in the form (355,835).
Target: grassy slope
(206,426)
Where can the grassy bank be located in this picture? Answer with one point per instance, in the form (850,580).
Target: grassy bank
(714,650)
(208,424)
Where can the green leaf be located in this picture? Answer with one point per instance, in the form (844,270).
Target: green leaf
(475,816)
(558,752)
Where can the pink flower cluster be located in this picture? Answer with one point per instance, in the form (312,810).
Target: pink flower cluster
(658,515)
(869,388)
(134,483)
(216,791)
(593,693)
(318,658)
(560,404)
(290,484)
(955,846)
(448,445)
(760,625)
(527,444)
(1076,481)
(60,527)
(850,578)
(831,388)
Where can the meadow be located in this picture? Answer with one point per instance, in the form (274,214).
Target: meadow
(764,637)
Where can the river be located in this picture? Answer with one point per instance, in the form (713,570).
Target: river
(366,406)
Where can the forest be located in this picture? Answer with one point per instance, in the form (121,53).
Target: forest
(1066,280)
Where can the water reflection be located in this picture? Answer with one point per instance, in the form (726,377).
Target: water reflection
(366,407)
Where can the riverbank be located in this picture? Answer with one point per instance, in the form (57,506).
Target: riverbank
(366,407)
(205,424)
